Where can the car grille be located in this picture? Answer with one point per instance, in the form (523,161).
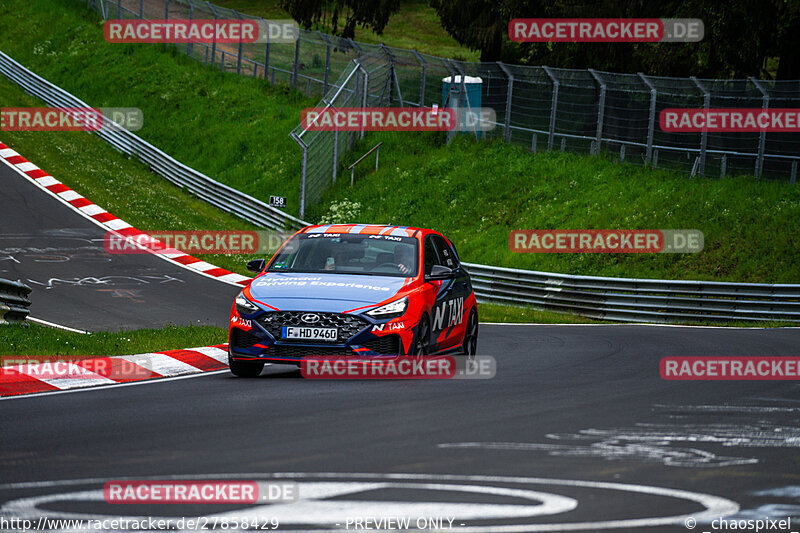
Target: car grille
(348,325)
(243,339)
(388,345)
(283,350)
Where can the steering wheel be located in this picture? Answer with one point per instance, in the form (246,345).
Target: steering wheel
(393,265)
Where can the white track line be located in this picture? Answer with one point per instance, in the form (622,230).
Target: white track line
(57,326)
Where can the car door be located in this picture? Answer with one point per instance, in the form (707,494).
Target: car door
(447,315)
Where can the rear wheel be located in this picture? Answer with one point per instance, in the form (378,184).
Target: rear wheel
(470,344)
(244,369)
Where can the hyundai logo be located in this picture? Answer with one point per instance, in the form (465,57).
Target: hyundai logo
(310,318)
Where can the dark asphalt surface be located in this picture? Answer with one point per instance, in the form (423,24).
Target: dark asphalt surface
(582,403)
(75,283)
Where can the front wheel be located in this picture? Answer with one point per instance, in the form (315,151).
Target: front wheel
(422,339)
(244,369)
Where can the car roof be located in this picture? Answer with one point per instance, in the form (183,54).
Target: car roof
(367,229)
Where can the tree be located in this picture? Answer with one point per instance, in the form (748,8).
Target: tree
(372,14)
(741,36)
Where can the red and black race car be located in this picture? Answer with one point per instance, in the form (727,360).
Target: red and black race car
(354,289)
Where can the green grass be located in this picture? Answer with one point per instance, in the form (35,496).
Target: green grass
(119,184)
(477,192)
(234,129)
(40,340)
(526,315)
(415,26)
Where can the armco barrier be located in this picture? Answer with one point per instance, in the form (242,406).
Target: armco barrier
(14,302)
(205,188)
(615,299)
(635,300)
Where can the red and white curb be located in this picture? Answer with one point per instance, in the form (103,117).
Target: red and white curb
(79,373)
(109,222)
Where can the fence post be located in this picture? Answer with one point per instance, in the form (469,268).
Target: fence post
(601,108)
(651,123)
(303,168)
(119,9)
(365,86)
(214,40)
(241,44)
(507,126)
(327,65)
(296,62)
(141,9)
(335,152)
(392,78)
(166,9)
(396,79)
(422,82)
(704,134)
(266,51)
(356,47)
(553,107)
(189,45)
(762,136)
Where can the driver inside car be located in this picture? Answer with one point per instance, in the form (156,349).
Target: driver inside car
(404,257)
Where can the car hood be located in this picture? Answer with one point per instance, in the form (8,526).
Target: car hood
(333,293)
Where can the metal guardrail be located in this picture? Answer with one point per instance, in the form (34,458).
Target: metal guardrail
(634,300)
(14,302)
(220,195)
(614,299)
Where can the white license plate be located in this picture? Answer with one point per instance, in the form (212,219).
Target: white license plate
(310,334)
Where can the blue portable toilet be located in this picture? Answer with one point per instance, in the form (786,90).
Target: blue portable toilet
(454,96)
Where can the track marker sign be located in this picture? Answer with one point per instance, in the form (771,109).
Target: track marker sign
(277,201)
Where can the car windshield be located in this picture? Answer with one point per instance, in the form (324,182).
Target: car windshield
(341,253)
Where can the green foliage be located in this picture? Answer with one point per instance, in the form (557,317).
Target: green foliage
(477,192)
(372,14)
(741,36)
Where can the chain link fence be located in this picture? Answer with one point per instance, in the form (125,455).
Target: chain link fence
(542,108)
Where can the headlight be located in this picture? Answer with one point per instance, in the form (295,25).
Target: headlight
(390,310)
(245,306)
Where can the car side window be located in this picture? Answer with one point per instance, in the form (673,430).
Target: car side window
(431,255)
(446,255)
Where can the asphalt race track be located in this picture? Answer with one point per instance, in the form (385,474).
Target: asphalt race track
(75,283)
(576,431)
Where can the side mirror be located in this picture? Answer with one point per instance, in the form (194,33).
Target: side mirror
(256,265)
(439,272)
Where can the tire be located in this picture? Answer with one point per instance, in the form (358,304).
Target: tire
(470,343)
(244,369)
(422,340)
